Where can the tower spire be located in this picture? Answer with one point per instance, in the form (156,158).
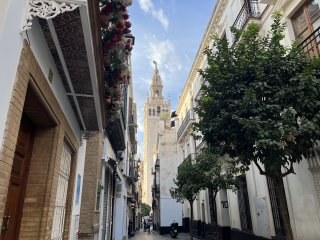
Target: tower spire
(156,83)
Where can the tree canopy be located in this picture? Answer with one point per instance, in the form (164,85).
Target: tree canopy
(145,209)
(217,172)
(188,183)
(261,100)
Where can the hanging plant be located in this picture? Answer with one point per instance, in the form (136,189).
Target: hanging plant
(116,48)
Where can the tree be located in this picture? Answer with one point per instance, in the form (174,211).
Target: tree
(218,173)
(261,103)
(189,182)
(145,209)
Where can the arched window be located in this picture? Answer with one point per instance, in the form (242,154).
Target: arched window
(149,111)
(158,110)
(157,93)
(154,112)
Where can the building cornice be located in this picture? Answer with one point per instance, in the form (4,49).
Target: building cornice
(211,29)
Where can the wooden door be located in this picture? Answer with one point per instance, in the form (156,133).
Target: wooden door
(18,181)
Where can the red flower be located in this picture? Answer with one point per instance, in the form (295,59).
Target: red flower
(120,25)
(107,9)
(116,31)
(128,24)
(116,39)
(127,46)
(126,30)
(125,16)
(122,8)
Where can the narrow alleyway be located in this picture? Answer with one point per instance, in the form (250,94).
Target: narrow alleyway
(141,235)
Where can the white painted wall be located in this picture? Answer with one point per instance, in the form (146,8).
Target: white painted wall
(303,204)
(103,169)
(11,16)
(76,204)
(120,211)
(260,207)
(170,210)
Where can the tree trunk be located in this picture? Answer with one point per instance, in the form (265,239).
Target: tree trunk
(283,208)
(191,219)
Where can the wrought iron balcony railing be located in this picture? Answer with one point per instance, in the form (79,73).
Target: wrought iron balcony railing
(188,160)
(250,9)
(311,45)
(186,124)
(200,147)
(116,131)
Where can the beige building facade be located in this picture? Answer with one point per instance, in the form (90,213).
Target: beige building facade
(251,212)
(60,140)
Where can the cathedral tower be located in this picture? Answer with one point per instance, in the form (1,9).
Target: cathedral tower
(155,109)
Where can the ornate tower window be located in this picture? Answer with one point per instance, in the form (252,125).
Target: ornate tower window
(149,111)
(154,112)
(158,110)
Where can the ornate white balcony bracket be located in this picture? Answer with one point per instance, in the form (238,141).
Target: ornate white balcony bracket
(48,9)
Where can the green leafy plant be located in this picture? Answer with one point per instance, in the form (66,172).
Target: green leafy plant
(145,209)
(218,173)
(260,103)
(188,183)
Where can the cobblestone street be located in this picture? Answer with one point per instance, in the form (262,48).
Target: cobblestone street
(141,235)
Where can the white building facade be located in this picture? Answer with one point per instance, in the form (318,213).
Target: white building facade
(252,211)
(165,208)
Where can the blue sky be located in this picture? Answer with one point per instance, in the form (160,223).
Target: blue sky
(170,32)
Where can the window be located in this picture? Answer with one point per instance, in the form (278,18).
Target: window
(305,22)
(98,194)
(60,204)
(213,209)
(157,93)
(158,110)
(154,112)
(149,111)
(244,206)
(274,200)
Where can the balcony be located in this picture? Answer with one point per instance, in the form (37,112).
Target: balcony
(188,160)
(250,10)
(115,131)
(133,172)
(187,122)
(200,147)
(311,45)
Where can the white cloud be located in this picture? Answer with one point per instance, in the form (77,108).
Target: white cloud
(148,7)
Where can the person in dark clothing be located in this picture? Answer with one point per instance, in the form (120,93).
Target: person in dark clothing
(144,225)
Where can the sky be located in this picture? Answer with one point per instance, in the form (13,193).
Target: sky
(169,32)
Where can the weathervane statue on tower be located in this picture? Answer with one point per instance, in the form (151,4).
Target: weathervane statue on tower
(155,64)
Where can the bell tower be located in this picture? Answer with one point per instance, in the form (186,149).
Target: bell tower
(156,83)
(155,109)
